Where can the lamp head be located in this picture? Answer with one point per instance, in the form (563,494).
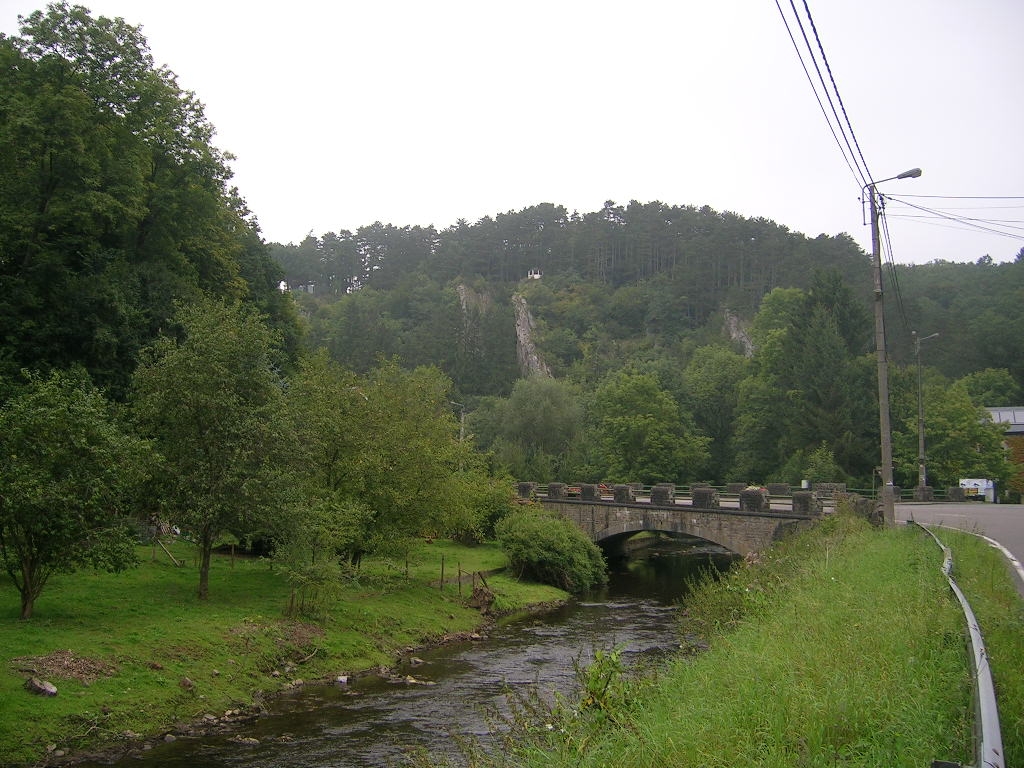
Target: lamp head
(913,173)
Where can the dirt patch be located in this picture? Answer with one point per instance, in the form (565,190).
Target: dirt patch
(299,634)
(64,665)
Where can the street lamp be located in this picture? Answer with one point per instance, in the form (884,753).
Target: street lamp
(921,475)
(888,490)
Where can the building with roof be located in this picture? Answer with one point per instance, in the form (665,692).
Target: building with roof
(1011,415)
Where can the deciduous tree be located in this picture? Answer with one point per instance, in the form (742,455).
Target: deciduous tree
(67,472)
(212,400)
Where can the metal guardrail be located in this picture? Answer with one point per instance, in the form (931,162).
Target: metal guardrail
(988,740)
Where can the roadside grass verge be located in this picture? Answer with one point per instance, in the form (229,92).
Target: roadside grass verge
(983,575)
(135,654)
(842,647)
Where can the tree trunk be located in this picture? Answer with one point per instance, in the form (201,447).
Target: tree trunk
(206,548)
(30,587)
(27,603)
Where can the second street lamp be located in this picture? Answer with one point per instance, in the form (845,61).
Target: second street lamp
(888,489)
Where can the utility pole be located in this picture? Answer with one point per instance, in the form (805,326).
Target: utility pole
(888,490)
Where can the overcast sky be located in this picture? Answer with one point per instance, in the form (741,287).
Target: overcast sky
(344,113)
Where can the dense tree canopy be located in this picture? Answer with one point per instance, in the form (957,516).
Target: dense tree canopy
(114,203)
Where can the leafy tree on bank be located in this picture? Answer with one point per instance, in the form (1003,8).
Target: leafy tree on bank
(811,385)
(114,203)
(535,432)
(546,548)
(211,399)
(411,463)
(641,433)
(326,522)
(68,471)
(711,382)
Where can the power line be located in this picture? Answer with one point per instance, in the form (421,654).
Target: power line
(984,225)
(890,261)
(835,88)
(858,175)
(967,197)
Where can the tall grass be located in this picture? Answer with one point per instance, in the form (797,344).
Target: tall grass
(983,574)
(843,647)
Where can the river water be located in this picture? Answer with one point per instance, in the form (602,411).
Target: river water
(376,722)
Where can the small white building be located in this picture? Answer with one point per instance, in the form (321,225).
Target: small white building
(534,274)
(978,488)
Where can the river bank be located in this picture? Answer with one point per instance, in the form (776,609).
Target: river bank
(843,645)
(136,658)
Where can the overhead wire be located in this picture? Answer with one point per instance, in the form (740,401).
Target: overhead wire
(858,174)
(891,264)
(854,159)
(835,88)
(1004,227)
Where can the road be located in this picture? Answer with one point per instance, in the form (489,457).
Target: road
(1002,522)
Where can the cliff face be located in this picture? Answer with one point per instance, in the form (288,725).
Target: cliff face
(736,332)
(530,363)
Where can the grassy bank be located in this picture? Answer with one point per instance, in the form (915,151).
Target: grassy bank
(842,647)
(136,653)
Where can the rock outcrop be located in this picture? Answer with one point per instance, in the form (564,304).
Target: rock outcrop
(530,363)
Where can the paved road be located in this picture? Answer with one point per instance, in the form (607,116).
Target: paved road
(1001,522)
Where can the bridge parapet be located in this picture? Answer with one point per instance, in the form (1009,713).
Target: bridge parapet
(749,526)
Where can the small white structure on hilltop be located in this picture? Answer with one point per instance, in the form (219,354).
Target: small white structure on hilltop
(534,274)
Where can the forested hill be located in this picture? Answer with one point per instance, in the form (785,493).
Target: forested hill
(617,283)
(702,256)
(644,281)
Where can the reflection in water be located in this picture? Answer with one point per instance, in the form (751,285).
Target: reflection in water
(374,722)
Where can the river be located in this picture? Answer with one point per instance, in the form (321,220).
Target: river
(375,722)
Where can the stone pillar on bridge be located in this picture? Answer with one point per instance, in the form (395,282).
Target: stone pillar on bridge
(754,500)
(806,503)
(624,494)
(778,489)
(590,492)
(663,494)
(526,490)
(557,490)
(705,497)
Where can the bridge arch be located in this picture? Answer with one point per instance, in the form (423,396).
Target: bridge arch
(738,531)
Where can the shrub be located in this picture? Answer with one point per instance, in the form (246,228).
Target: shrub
(548,549)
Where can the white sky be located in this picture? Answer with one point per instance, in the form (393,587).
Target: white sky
(344,113)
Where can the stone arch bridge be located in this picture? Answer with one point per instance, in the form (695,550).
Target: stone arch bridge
(609,516)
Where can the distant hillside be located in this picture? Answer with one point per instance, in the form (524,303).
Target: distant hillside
(646,273)
(661,342)
(615,282)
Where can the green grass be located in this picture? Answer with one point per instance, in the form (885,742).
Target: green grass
(843,647)
(983,575)
(149,630)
